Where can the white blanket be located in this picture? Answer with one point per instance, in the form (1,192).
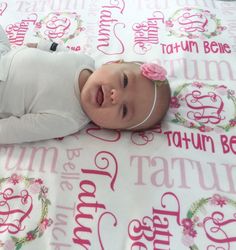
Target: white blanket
(172,187)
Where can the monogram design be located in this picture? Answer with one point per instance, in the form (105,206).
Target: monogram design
(205,108)
(15,209)
(59,27)
(21,199)
(194,23)
(200,106)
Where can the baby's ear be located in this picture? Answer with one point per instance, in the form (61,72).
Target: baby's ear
(119,61)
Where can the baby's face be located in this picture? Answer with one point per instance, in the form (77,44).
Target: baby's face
(117,96)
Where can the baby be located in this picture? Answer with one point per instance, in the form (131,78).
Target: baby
(47,95)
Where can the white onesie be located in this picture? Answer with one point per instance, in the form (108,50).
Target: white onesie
(38,97)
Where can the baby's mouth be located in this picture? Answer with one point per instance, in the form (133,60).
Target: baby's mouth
(100,96)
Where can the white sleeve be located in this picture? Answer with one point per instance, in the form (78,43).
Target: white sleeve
(46,45)
(35,127)
(4,42)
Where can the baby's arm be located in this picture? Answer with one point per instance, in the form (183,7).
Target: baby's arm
(4,42)
(35,127)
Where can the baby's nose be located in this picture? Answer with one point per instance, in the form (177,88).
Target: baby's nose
(114,96)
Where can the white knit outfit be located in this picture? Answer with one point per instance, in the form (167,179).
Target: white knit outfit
(39,93)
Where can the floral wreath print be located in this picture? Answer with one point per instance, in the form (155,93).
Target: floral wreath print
(31,186)
(59,26)
(204,107)
(216,227)
(194,23)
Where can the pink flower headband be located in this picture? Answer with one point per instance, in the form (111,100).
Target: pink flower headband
(154,72)
(157,74)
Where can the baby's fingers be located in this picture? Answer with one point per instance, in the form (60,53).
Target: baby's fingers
(32,45)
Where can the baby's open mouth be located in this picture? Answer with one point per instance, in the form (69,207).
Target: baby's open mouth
(100,96)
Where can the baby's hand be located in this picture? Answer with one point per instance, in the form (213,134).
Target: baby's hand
(32,45)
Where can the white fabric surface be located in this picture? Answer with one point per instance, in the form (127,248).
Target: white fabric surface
(172,187)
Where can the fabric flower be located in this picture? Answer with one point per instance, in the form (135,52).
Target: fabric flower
(197,84)
(30,236)
(153,71)
(44,224)
(169,23)
(192,233)
(232,122)
(205,128)
(187,223)
(219,200)
(40,181)
(189,124)
(174,102)
(15,179)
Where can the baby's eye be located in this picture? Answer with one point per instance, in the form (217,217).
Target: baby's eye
(124,111)
(125,80)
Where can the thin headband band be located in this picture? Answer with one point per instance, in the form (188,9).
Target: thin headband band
(157,74)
